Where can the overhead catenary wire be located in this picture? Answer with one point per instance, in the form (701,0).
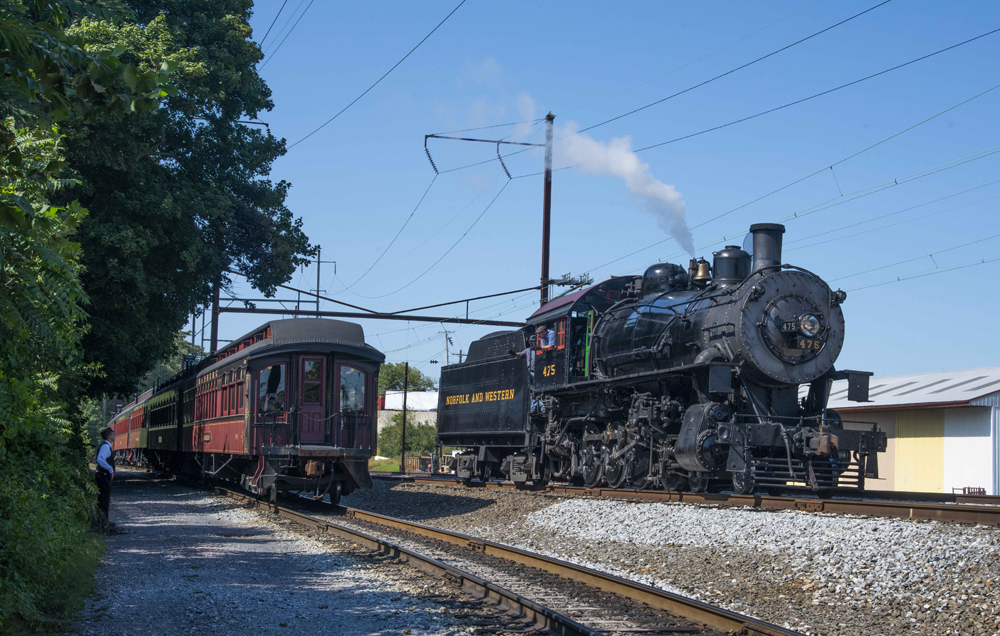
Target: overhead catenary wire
(814,96)
(282,8)
(765,112)
(271,55)
(916,258)
(931,272)
(830,203)
(812,174)
(687,64)
(379,80)
(734,70)
(405,223)
(291,16)
(883,216)
(448,251)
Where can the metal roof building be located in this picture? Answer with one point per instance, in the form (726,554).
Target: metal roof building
(943,429)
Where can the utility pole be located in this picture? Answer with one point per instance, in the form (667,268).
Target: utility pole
(215,318)
(460,356)
(319,265)
(447,342)
(406,386)
(547,207)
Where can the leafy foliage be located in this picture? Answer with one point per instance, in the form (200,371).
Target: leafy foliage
(390,378)
(179,195)
(48,73)
(420,438)
(44,493)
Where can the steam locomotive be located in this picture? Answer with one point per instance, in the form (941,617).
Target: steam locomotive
(714,377)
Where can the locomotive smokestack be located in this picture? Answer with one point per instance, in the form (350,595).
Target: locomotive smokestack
(766,245)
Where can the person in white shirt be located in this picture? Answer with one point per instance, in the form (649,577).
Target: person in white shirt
(105,472)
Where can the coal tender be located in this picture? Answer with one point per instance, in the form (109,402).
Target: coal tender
(706,378)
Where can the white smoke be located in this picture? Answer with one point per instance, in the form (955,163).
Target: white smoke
(617,159)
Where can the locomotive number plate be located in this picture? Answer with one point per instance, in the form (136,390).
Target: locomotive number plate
(809,344)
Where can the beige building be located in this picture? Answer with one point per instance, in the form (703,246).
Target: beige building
(421,404)
(942,429)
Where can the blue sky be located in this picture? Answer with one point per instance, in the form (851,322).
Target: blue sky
(357,180)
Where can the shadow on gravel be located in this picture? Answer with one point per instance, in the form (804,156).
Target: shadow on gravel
(178,552)
(416,506)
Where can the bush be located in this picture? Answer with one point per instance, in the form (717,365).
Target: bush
(420,438)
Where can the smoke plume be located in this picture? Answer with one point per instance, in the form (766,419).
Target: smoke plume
(617,159)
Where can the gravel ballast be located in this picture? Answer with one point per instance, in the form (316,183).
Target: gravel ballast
(818,573)
(190,562)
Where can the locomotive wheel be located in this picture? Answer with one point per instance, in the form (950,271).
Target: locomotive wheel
(593,467)
(674,482)
(743,483)
(616,471)
(698,482)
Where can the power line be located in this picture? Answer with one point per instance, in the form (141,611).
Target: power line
(820,94)
(883,227)
(916,258)
(275,51)
(290,17)
(814,173)
(839,200)
(323,125)
(931,272)
(448,251)
(405,223)
(738,68)
(272,23)
(513,123)
(683,66)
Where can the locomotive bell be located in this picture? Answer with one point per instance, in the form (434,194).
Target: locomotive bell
(704,273)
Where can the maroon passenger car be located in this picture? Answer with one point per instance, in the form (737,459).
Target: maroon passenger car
(289,406)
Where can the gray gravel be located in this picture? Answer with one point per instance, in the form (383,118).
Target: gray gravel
(818,573)
(189,562)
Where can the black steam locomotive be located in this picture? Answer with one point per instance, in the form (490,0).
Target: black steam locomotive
(678,379)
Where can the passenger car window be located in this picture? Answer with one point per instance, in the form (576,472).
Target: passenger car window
(271,398)
(352,390)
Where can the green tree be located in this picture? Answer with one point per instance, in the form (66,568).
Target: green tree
(420,438)
(179,195)
(45,495)
(171,365)
(390,378)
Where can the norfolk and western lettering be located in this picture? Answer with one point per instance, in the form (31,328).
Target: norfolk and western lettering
(487,396)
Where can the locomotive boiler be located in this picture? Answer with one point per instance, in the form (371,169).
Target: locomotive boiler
(717,376)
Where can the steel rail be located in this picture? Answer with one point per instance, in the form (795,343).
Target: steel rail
(983,511)
(515,604)
(682,606)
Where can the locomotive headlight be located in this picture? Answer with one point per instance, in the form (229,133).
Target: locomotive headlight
(809,325)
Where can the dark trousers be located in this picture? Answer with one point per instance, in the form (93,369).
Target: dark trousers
(103,480)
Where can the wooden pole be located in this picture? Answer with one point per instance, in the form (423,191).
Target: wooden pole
(406,386)
(547,207)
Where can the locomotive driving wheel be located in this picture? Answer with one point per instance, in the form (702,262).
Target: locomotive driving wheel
(743,483)
(698,482)
(616,471)
(593,466)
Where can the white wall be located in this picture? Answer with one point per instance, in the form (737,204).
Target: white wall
(996,450)
(969,448)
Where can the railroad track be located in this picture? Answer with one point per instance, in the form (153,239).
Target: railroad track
(975,509)
(547,593)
